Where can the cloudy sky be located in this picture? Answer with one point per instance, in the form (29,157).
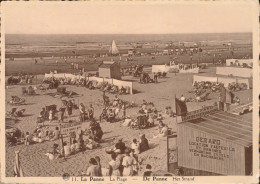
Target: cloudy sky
(121,18)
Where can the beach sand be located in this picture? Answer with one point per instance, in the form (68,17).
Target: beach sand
(162,94)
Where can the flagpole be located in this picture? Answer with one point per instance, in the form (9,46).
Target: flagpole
(175,108)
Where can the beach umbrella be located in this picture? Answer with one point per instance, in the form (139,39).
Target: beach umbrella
(18,172)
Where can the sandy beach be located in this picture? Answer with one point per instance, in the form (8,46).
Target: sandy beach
(162,94)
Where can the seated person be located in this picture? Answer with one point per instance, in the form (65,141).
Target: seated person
(116,101)
(67,149)
(28,139)
(98,134)
(94,126)
(73,147)
(170,112)
(120,145)
(103,114)
(144,145)
(153,109)
(60,152)
(163,130)
(134,124)
(19,113)
(150,120)
(56,134)
(148,171)
(52,151)
(159,118)
(111,116)
(122,90)
(237,100)
(91,144)
(127,121)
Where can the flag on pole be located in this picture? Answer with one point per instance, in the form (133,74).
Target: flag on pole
(181,107)
(18,172)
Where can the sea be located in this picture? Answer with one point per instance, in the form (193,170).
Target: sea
(69,39)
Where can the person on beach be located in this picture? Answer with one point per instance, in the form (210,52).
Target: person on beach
(103,115)
(50,116)
(120,145)
(67,150)
(73,147)
(111,116)
(128,163)
(82,112)
(183,99)
(90,112)
(61,114)
(155,77)
(93,169)
(148,171)
(116,101)
(97,158)
(114,166)
(163,130)
(56,134)
(98,134)
(144,144)
(69,107)
(28,139)
(124,110)
(134,157)
(135,146)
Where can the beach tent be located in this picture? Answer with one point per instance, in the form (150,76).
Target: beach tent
(160,68)
(235,71)
(113,49)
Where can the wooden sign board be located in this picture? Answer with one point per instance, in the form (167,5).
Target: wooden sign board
(199,113)
(202,151)
(70,128)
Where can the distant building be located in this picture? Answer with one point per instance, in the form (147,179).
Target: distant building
(189,44)
(110,69)
(165,52)
(215,43)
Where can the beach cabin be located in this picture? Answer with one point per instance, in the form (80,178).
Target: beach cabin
(109,69)
(165,52)
(189,44)
(212,142)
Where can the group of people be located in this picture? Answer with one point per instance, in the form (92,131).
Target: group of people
(41,134)
(146,117)
(124,160)
(111,109)
(86,114)
(21,78)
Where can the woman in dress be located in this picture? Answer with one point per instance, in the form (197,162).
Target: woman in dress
(114,166)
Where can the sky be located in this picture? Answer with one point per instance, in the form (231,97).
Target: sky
(121,18)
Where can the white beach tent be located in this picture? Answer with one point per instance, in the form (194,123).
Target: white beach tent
(113,49)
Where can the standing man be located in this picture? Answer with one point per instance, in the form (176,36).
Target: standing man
(155,77)
(91,112)
(82,112)
(222,97)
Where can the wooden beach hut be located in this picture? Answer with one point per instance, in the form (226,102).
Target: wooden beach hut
(110,69)
(216,143)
